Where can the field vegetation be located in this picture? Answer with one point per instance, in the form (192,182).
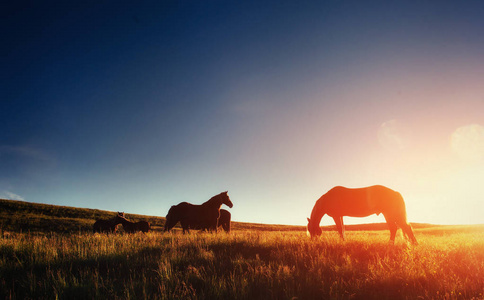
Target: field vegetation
(265,262)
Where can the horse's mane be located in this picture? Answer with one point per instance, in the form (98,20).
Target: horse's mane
(215,200)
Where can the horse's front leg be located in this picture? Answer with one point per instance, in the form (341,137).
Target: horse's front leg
(185,226)
(392,226)
(340,226)
(213,226)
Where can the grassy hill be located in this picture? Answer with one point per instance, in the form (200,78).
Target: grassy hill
(34,217)
(21,216)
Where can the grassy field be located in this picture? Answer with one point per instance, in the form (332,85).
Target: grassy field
(263,263)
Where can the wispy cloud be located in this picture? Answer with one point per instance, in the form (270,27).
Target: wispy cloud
(24,151)
(392,135)
(10,195)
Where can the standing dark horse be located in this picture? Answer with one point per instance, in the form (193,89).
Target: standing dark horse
(132,227)
(362,202)
(194,216)
(108,226)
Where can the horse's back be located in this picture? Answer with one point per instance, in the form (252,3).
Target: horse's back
(341,193)
(144,226)
(176,212)
(385,199)
(360,202)
(104,226)
(185,205)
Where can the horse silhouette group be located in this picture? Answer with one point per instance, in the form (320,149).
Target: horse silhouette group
(111,226)
(206,216)
(336,203)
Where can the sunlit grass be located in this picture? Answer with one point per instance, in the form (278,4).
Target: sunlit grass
(241,265)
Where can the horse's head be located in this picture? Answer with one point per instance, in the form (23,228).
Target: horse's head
(226,199)
(119,218)
(171,218)
(313,228)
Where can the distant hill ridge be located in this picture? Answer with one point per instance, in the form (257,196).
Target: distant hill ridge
(25,216)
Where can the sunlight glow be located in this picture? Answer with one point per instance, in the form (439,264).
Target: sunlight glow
(468,142)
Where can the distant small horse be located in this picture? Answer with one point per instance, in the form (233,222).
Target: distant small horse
(204,216)
(132,227)
(107,226)
(362,202)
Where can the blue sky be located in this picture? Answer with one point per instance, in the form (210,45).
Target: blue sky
(136,107)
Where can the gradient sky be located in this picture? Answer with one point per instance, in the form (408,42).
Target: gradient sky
(136,107)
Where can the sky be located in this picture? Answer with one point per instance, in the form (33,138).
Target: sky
(138,106)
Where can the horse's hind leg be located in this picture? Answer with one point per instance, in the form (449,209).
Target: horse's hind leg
(340,226)
(407,230)
(401,221)
(226,226)
(393,228)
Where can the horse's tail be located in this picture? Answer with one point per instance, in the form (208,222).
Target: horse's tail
(402,210)
(147,226)
(403,222)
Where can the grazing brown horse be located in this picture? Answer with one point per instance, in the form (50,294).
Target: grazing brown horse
(107,226)
(132,227)
(362,202)
(204,216)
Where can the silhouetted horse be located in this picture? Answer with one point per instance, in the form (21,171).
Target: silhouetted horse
(132,227)
(362,202)
(108,226)
(204,216)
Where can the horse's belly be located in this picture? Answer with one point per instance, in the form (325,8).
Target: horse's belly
(355,213)
(361,215)
(198,219)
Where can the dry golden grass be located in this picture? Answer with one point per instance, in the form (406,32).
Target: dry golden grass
(246,264)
